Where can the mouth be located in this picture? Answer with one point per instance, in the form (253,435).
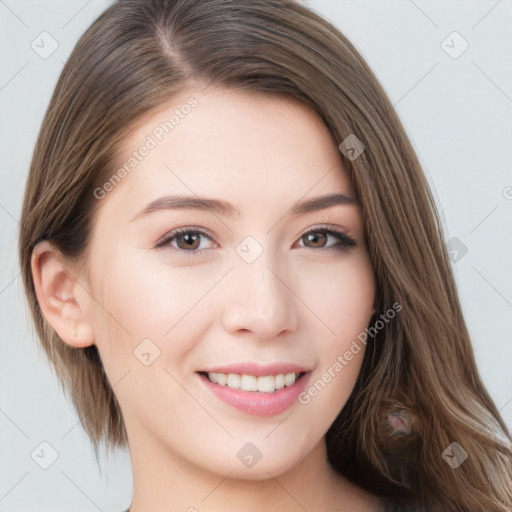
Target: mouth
(267,394)
(254,383)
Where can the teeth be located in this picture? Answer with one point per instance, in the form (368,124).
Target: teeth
(267,384)
(249,383)
(289,379)
(264,384)
(234,381)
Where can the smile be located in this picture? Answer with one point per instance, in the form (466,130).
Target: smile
(262,384)
(259,395)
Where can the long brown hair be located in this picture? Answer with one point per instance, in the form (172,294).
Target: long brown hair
(138,54)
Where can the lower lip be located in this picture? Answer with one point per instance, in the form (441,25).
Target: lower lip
(255,402)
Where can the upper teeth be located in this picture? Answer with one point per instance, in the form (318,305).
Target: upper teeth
(265,384)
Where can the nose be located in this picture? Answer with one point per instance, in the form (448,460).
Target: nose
(259,301)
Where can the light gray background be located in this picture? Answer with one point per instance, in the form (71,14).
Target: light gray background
(458,113)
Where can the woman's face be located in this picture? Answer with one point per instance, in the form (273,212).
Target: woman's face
(241,290)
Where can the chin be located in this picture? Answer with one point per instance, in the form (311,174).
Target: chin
(266,467)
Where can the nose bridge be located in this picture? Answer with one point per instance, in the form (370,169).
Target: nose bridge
(258,298)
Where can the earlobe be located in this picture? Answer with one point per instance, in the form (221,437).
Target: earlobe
(58,296)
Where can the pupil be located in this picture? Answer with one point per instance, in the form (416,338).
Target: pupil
(189,239)
(314,238)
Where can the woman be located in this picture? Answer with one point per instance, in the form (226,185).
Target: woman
(309,352)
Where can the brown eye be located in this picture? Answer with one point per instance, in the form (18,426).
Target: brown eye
(318,239)
(190,241)
(187,241)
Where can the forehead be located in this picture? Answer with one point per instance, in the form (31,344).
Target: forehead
(233,144)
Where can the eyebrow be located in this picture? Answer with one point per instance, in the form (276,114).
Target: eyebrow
(226,209)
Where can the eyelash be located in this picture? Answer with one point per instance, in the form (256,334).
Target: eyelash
(346,242)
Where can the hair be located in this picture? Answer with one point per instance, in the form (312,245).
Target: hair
(420,367)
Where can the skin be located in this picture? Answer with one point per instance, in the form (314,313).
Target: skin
(297,302)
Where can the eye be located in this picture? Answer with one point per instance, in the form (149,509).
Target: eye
(319,236)
(187,240)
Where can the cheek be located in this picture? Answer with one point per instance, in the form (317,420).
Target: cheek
(142,298)
(344,301)
(341,296)
(147,321)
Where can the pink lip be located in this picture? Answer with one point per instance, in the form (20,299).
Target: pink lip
(258,370)
(254,402)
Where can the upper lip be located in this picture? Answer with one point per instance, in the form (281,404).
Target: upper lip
(257,369)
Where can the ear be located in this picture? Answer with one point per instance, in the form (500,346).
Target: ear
(59,297)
